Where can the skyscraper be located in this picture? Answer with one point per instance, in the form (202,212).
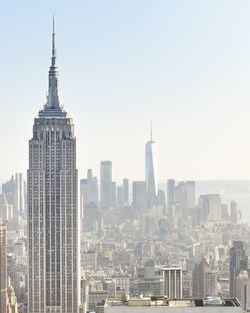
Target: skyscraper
(170,198)
(3,269)
(92,188)
(237,262)
(106,184)
(125,186)
(185,196)
(151,171)
(88,192)
(19,194)
(210,206)
(53,239)
(89,204)
(139,196)
(15,193)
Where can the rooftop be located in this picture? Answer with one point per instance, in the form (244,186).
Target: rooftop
(157,304)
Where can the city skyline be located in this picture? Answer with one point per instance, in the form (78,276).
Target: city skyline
(190,79)
(157,218)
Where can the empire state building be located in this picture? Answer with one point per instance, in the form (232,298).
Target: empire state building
(53,238)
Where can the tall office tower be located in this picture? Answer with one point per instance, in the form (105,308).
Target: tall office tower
(235,213)
(170,198)
(91,217)
(92,188)
(237,263)
(224,213)
(119,196)
(172,282)
(106,184)
(125,186)
(20,192)
(88,192)
(114,196)
(83,196)
(14,191)
(8,189)
(210,207)
(139,196)
(151,171)
(53,239)
(198,279)
(180,194)
(190,194)
(204,280)
(3,269)
(185,196)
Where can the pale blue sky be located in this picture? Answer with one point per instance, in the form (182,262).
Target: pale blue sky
(183,64)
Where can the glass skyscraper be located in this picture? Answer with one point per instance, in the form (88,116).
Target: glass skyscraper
(151,171)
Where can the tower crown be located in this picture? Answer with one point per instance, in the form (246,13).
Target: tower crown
(53,97)
(52,107)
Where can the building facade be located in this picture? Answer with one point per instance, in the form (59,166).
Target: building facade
(139,196)
(3,268)
(238,261)
(89,203)
(172,282)
(106,184)
(185,197)
(210,206)
(125,185)
(53,239)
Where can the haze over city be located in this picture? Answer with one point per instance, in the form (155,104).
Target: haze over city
(124,164)
(185,65)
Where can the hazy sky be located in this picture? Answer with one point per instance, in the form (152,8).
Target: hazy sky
(185,65)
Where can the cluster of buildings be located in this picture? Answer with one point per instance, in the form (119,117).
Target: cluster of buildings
(13,199)
(130,247)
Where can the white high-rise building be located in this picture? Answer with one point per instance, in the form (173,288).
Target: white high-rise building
(19,194)
(151,177)
(172,281)
(106,184)
(53,239)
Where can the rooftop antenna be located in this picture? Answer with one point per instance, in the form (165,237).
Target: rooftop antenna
(53,44)
(151,131)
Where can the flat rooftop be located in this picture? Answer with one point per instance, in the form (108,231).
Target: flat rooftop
(162,304)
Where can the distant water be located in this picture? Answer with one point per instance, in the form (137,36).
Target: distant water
(237,190)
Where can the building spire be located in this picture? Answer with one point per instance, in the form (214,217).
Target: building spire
(151,131)
(53,97)
(53,59)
